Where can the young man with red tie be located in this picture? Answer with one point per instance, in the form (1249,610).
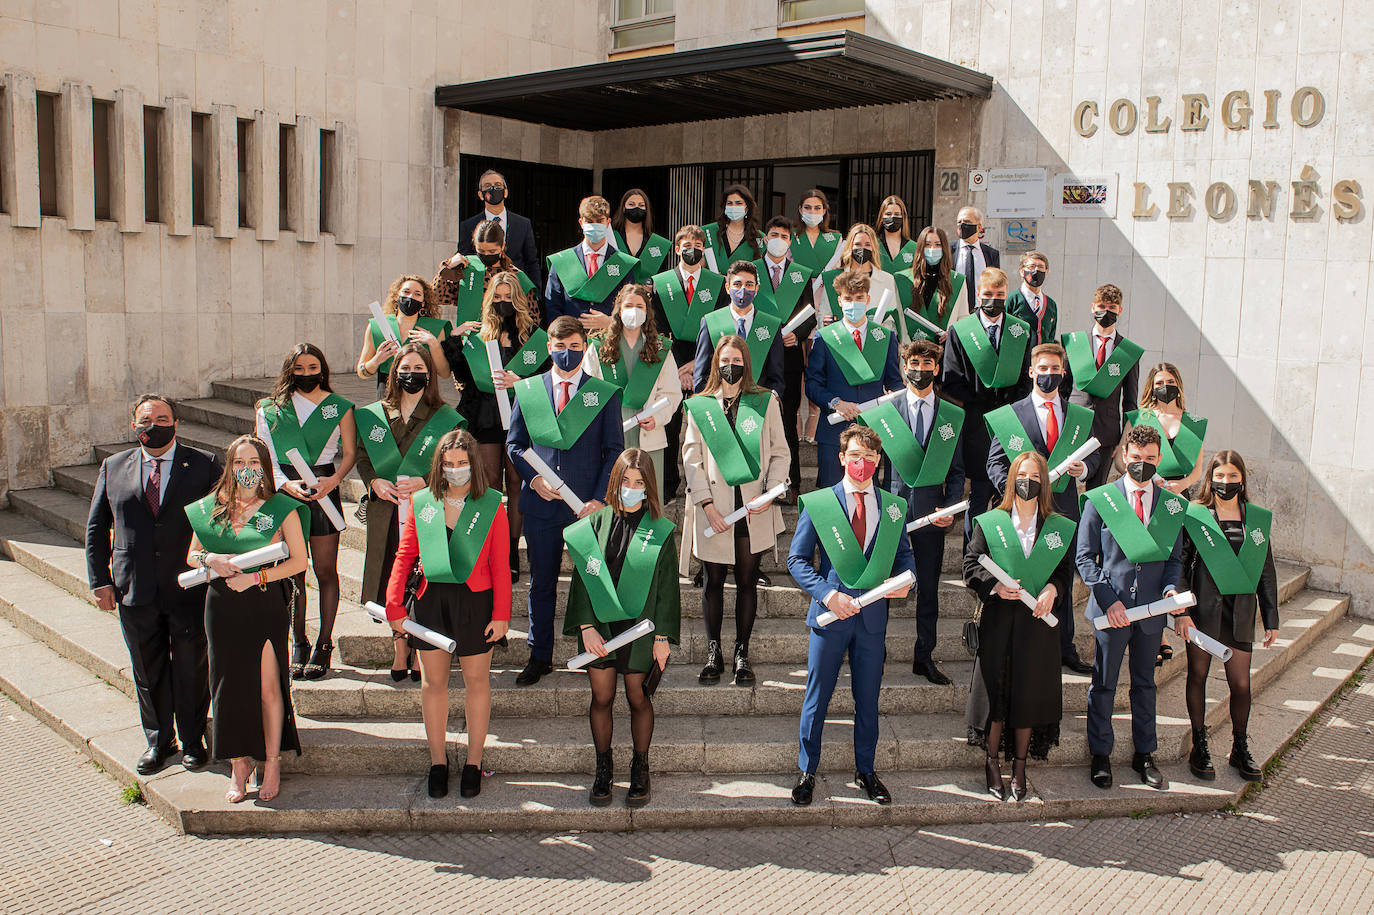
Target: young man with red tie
(584,279)
(1104,375)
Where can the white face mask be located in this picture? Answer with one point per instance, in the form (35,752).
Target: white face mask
(812,219)
(778,246)
(632,317)
(457,476)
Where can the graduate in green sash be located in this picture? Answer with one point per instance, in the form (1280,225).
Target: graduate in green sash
(1015,702)
(1104,375)
(1031,304)
(935,288)
(305,414)
(411,310)
(632,231)
(584,279)
(248,613)
(859,255)
(458,535)
(1228,562)
(817,246)
(896,248)
(1163,406)
(785,288)
(735,235)
(462,281)
(760,330)
(625,570)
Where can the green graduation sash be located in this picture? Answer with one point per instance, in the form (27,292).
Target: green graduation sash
(737,449)
(375,434)
(258,530)
(1177,456)
(715,240)
(593,289)
(858,366)
(623,599)
(1087,377)
(1005,425)
(905,257)
(436,326)
(684,318)
(842,548)
(473,286)
(1233,572)
(636,382)
(527,360)
(561,430)
(1140,543)
(1004,548)
(450,558)
(761,335)
(309,437)
(1000,368)
(781,302)
(818,255)
(930,310)
(651,255)
(917,466)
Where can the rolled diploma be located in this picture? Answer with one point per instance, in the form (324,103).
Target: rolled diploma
(246,562)
(835,418)
(308,477)
(929,325)
(545,471)
(1153,608)
(882,306)
(1079,453)
(1204,641)
(896,583)
(648,411)
(376,309)
(638,630)
(402,505)
(502,396)
(929,519)
(798,320)
(423,633)
(1008,582)
(739,513)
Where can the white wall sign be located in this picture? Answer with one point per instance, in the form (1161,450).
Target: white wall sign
(1075,197)
(978,179)
(1015,193)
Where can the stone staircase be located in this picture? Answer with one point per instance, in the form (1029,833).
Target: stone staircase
(723,756)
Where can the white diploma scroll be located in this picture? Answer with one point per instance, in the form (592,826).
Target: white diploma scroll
(376,309)
(246,562)
(797,320)
(402,505)
(755,503)
(947,512)
(835,418)
(554,481)
(1008,582)
(928,325)
(1204,641)
(896,583)
(1153,608)
(308,477)
(881,311)
(638,630)
(502,394)
(648,411)
(1079,453)
(423,633)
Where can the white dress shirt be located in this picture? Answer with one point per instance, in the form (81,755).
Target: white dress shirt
(736,317)
(979,263)
(601,253)
(304,407)
(916,404)
(1025,529)
(872,504)
(496,217)
(779,265)
(1132,487)
(991,322)
(1040,400)
(1097,340)
(146,469)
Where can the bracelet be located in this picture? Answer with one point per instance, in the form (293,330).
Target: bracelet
(262,582)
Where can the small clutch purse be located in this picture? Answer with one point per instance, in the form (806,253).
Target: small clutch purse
(971,632)
(652,678)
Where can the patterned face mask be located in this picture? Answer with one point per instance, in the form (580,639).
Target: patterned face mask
(248,477)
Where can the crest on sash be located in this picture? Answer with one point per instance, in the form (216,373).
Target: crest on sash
(264,523)
(427,513)
(378,435)
(1016,443)
(1173,506)
(1113,370)
(831,236)
(613,269)
(429,440)
(593,566)
(590,399)
(1258,536)
(906,258)
(748,426)
(794,276)
(1016,330)
(1054,541)
(655,251)
(528,357)
(704,295)
(894,512)
(761,333)
(946,432)
(877,334)
(330,411)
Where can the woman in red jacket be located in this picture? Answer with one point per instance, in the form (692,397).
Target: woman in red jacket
(459,534)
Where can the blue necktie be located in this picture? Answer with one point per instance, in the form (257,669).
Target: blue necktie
(921,422)
(992,334)
(739,326)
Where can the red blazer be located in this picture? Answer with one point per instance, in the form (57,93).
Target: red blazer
(492,571)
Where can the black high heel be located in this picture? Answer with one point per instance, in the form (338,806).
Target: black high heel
(300,650)
(319,661)
(993,772)
(1019,788)
(398,675)
(413,665)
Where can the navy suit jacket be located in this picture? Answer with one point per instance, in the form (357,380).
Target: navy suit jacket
(1110,576)
(819,582)
(558,302)
(825,381)
(520,244)
(991,258)
(1066,502)
(586,466)
(770,376)
(960,382)
(923,500)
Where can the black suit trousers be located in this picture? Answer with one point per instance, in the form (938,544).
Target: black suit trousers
(166,641)
(794,380)
(928,549)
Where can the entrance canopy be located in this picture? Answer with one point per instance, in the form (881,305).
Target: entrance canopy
(839,69)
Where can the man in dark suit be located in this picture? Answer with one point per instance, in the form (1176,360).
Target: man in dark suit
(853,513)
(1031,304)
(572,422)
(785,288)
(1107,378)
(1129,553)
(759,330)
(585,279)
(137,537)
(971,256)
(520,243)
(1048,423)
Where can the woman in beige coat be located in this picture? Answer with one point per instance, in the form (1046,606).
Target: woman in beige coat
(733,451)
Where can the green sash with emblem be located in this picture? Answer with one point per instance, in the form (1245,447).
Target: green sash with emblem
(917,466)
(436,326)
(816,257)
(1087,377)
(930,309)
(1004,548)
(527,360)
(473,286)
(375,434)
(651,255)
(903,259)
(858,366)
(624,599)
(684,318)
(309,437)
(636,382)
(737,449)
(1006,427)
(760,338)
(716,242)
(842,548)
(258,530)
(1233,572)
(999,368)
(781,302)
(561,430)
(1177,455)
(592,289)
(1140,543)
(451,557)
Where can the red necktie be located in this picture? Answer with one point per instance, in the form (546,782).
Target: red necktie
(691,288)
(1051,428)
(859,340)
(1140,505)
(153,491)
(1101,351)
(860,520)
(563,394)
(591,262)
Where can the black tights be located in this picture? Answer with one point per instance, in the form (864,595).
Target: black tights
(603,698)
(1237,678)
(746,593)
(324,556)
(1020,737)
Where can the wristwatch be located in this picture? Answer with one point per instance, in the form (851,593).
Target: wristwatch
(833,402)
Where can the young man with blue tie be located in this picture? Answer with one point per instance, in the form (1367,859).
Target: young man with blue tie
(859,529)
(584,279)
(759,329)
(1129,553)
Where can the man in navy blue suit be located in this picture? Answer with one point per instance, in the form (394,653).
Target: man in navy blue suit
(860,531)
(584,279)
(520,243)
(1046,421)
(971,255)
(1130,547)
(852,360)
(760,330)
(572,422)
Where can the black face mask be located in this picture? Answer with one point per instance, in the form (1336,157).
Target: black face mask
(1105,318)
(1141,471)
(1036,279)
(992,307)
(307,383)
(156,436)
(892,223)
(494,195)
(412,382)
(635,214)
(861,255)
(408,306)
(1226,491)
(1166,393)
(732,373)
(1028,489)
(489,260)
(691,256)
(967,230)
(919,378)
(504,308)
(1048,382)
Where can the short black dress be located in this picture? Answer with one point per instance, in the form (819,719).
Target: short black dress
(476,406)
(458,612)
(320,525)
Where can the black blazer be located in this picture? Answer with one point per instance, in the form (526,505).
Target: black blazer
(520,246)
(1066,502)
(991,258)
(126,546)
(962,384)
(1210,602)
(1109,413)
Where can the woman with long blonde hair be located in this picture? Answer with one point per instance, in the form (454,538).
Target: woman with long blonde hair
(859,254)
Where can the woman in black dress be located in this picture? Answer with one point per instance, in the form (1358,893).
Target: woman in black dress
(1228,563)
(1014,704)
(247,614)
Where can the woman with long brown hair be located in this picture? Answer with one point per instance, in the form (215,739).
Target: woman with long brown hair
(411,310)
(896,250)
(247,614)
(632,231)
(463,279)
(817,245)
(933,293)
(737,233)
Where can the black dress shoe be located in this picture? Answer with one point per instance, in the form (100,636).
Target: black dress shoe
(534,669)
(803,789)
(195,757)
(154,758)
(1019,787)
(992,772)
(932,673)
(1077,664)
(438,781)
(699,578)
(764,580)
(1144,763)
(470,785)
(1102,771)
(873,787)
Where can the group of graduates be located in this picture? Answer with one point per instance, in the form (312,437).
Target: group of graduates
(590,401)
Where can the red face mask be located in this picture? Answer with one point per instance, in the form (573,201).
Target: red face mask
(860,470)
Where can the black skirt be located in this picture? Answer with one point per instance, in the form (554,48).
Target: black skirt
(320,525)
(458,612)
(620,658)
(1016,679)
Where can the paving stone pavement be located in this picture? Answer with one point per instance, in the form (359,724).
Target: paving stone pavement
(1306,843)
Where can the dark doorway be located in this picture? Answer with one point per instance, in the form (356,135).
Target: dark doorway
(546,194)
(653,181)
(868,179)
(793,179)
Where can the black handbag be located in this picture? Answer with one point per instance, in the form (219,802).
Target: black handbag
(652,678)
(971,632)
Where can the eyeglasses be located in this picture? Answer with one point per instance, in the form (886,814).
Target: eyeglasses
(487,187)
(860,455)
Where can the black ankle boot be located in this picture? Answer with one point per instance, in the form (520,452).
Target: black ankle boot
(438,781)
(601,784)
(1241,760)
(744,674)
(1200,760)
(638,795)
(714,663)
